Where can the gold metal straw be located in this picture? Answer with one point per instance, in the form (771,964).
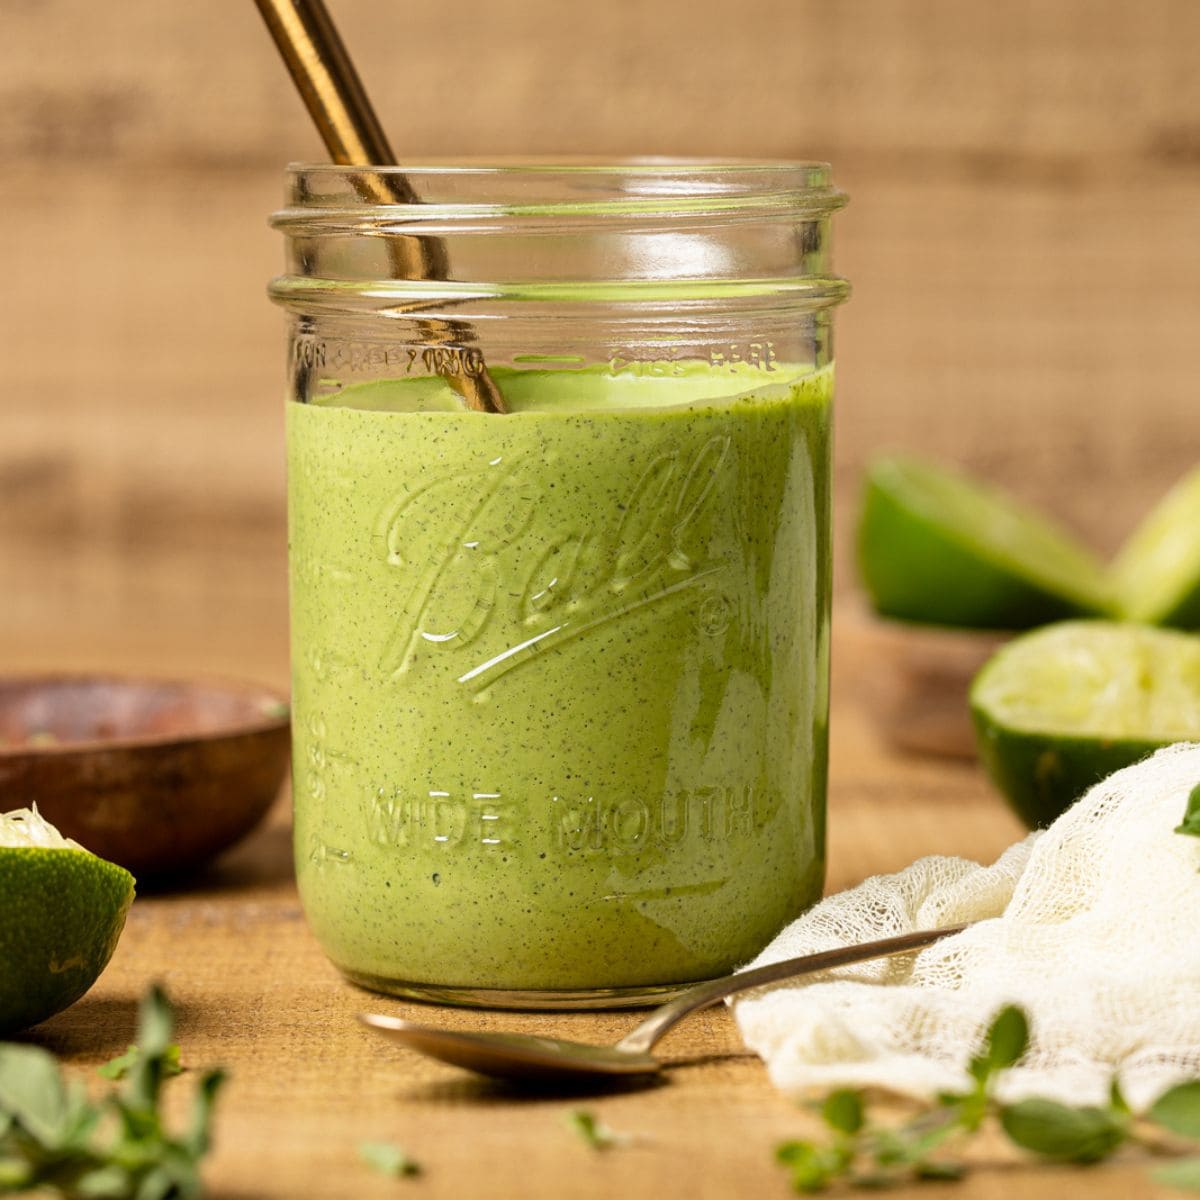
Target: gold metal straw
(332,92)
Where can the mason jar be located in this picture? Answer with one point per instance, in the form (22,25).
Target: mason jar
(559,525)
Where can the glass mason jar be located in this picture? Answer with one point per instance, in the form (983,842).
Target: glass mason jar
(560,673)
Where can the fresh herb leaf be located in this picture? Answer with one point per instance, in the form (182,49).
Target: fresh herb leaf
(593,1131)
(33,1094)
(1008,1037)
(109,1181)
(198,1139)
(119,1067)
(1191,816)
(843,1111)
(1179,1110)
(1183,1174)
(1006,1040)
(811,1168)
(388,1159)
(1062,1132)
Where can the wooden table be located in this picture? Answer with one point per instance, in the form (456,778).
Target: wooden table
(308,1084)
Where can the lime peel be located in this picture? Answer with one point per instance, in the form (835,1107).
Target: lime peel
(1157,572)
(938,548)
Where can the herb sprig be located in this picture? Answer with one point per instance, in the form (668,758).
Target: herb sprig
(593,1131)
(1191,816)
(119,1067)
(388,1159)
(861,1153)
(53,1137)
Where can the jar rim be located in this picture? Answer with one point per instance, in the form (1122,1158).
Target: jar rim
(558,187)
(558,234)
(646,164)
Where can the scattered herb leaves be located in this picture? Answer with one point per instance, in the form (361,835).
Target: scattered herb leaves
(863,1154)
(53,1137)
(843,1111)
(593,1131)
(1007,1040)
(1178,1110)
(812,1167)
(1083,1134)
(388,1159)
(1184,1173)
(1191,817)
(119,1067)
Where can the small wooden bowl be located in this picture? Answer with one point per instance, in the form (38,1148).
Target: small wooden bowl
(156,775)
(914,680)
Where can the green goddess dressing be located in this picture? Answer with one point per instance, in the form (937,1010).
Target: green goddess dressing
(560,676)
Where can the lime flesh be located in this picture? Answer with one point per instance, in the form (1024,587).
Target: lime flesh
(937,548)
(64,910)
(1060,708)
(1157,572)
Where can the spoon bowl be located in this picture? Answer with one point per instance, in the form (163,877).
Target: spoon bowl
(514,1055)
(524,1058)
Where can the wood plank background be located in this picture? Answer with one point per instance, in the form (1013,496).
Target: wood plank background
(1024,241)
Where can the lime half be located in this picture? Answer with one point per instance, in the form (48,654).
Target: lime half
(941,549)
(1060,708)
(64,910)
(1157,572)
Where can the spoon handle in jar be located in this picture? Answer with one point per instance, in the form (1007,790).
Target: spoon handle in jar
(324,75)
(641,1039)
(328,83)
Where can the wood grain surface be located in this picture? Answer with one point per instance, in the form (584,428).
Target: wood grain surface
(309,1084)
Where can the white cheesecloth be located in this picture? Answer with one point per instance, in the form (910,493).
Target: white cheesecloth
(1092,926)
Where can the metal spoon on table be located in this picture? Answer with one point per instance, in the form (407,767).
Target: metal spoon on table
(524,1057)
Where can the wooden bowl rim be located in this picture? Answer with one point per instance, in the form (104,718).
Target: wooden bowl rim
(241,688)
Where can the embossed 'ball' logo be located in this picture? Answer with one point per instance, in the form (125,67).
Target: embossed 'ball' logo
(714,614)
(450,534)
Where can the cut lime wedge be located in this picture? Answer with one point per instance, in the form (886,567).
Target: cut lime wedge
(64,910)
(1157,573)
(1058,709)
(937,548)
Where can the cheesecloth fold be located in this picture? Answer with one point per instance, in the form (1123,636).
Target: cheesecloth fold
(1091,926)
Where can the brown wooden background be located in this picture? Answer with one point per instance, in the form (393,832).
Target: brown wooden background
(1024,240)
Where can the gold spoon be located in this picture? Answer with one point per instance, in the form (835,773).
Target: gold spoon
(320,66)
(525,1058)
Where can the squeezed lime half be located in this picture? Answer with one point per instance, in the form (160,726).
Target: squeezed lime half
(64,910)
(1060,708)
(938,548)
(1157,572)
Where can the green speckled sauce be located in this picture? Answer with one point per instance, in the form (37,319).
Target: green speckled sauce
(560,676)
